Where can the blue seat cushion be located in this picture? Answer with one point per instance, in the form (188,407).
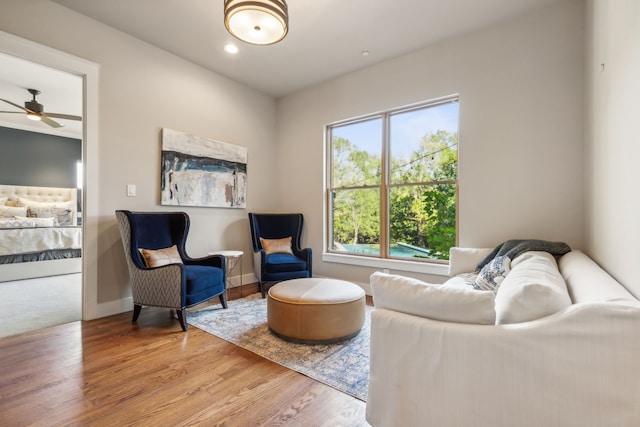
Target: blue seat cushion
(203,282)
(282,263)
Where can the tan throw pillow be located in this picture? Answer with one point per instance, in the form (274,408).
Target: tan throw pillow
(160,257)
(277,246)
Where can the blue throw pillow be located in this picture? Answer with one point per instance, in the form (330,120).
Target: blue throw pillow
(493,274)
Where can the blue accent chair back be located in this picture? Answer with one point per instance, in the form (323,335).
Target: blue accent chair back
(273,268)
(175,286)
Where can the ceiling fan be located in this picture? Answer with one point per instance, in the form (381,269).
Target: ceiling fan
(35,111)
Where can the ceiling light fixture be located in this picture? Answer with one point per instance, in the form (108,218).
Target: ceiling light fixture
(259,22)
(33,116)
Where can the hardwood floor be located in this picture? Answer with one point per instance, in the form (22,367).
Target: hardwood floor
(110,372)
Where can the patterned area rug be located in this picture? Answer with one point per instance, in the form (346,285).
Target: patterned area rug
(344,366)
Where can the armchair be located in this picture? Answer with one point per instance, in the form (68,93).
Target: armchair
(272,267)
(170,283)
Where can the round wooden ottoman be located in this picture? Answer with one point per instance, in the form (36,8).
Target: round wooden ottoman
(315,310)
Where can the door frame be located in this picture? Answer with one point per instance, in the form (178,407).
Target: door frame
(89,72)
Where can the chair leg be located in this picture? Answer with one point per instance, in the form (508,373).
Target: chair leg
(182,317)
(136,312)
(262,286)
(223,300)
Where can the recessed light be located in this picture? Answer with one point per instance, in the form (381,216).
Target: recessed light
(232,49)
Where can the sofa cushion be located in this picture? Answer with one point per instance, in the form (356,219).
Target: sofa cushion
(449,303)
(533,289)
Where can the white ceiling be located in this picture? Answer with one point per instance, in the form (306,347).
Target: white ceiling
(326,39)
(61,93)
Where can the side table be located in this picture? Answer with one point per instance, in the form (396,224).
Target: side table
(234,259)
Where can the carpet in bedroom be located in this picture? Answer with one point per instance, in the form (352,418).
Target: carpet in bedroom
(31,304)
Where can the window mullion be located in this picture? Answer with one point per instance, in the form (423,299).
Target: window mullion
(384,189)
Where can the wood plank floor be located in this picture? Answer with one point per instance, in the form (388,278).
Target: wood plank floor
(110,372)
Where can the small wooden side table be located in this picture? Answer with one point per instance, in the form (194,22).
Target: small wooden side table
(234,260)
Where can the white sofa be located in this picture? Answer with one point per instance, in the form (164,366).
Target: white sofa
(437,360)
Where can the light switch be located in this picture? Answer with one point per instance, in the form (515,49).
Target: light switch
(131,190)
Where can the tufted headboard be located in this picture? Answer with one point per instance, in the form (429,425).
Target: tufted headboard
(40,194)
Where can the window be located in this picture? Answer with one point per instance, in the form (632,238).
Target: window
(392,183)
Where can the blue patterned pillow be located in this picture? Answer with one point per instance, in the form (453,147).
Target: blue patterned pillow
(493,274)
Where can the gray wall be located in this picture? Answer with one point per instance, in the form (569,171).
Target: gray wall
(36,159)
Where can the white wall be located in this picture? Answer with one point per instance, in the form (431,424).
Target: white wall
(521,129)
(613,143)
(141,90)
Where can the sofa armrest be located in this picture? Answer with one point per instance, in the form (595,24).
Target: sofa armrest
(465,260)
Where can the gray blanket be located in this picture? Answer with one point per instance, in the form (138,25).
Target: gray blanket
(513,248)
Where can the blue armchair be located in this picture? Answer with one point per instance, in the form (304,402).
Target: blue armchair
(271,268)
(176,282)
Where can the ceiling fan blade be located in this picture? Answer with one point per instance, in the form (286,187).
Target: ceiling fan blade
(50,122)
(13,112)
(15,105)
(63,116)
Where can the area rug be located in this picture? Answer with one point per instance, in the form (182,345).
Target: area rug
(344,366)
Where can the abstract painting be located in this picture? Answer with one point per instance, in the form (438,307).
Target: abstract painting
(198,171)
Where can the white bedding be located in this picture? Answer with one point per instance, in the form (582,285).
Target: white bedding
(29,240)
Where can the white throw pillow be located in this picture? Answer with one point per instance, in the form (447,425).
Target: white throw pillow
(533,289)
(12,211)
(39,222)
(461,304)
(3,201)
(16,223)
(33,203)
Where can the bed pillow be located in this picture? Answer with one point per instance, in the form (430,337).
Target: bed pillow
(534,288)
(461,304)
(3,201)
(12,211)
(277,246)
(63,216)
(16,223)
(33,203)
(160,257)
(40,222)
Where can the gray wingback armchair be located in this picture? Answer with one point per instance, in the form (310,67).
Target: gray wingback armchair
(176,285)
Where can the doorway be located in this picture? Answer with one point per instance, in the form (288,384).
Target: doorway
(40,55)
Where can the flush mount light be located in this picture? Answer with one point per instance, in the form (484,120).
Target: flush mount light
(259,22)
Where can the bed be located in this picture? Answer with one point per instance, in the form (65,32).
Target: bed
(39,232)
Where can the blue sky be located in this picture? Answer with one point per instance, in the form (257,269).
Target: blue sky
(408,128)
